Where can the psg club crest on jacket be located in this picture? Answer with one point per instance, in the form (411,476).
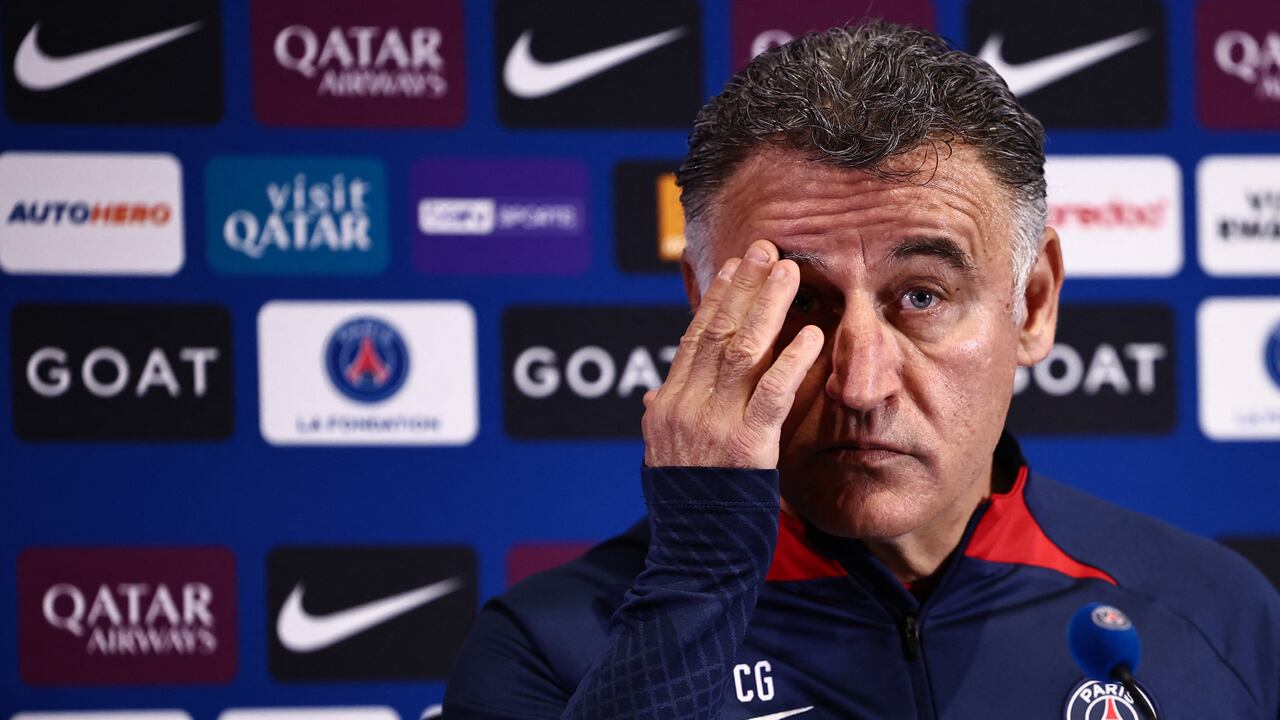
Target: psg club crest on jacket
(366,359)
(1093,700)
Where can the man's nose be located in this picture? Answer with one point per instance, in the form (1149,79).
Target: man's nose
(866,362)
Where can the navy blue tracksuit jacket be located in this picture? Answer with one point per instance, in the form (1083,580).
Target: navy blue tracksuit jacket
(720,607)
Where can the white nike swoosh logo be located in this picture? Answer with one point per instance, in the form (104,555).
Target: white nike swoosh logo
(303,632)
(37,71)
(1025,78)
(527,77)
(783,714)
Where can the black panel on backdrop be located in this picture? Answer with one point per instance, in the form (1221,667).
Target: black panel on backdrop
(368,613)
(584,63)
(1087,63)
(581,372)
(1111,371)
(636,210)
(136,62)
(121,372)
(1262,551)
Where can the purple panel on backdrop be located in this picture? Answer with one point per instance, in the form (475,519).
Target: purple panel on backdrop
(500,217)
(762,24)
(91,616)
(375,63)
(1238,63)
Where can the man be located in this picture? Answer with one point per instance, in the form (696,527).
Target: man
(837,526)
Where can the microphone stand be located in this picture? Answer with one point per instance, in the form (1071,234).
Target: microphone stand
(1122,674)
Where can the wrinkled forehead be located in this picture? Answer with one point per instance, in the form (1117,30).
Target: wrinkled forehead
(934,190)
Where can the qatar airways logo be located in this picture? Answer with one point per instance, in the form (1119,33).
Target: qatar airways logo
(134,618)
(1116,215)
(137,615)
(365,61)
(1253,58)
(1238,64)
(373,63)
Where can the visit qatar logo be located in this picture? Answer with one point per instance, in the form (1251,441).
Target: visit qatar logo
(366,359)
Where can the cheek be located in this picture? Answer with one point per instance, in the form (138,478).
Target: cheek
(975,381)
(801,425)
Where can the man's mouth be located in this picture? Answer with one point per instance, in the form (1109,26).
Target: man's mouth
(865,452)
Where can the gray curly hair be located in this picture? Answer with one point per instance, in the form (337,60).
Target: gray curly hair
(858,97)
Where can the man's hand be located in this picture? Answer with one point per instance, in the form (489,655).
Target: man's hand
(726,396)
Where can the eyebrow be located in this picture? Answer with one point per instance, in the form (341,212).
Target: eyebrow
(801,257)
(939,247)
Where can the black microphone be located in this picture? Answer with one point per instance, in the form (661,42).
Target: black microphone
(1105,645)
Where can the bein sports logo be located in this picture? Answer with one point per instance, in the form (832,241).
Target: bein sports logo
(366,360)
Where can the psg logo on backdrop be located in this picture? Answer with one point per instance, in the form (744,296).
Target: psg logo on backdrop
(1093,700)
(366,359)
(1272,359)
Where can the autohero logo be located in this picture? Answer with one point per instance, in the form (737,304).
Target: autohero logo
(145,62)
(1090,63)
(505,217)
(582,372)
(144,615)
(121,372)
(1111,371)
(297,215)
(580,63)
(379,63)
(1238,64)
(1238,344)
(648,224)
(368,613)
(367,373)
(1117,215)
(90,214)
(760,25)
(1239,214)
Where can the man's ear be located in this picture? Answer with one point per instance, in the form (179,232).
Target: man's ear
(1035,338)
(691,287)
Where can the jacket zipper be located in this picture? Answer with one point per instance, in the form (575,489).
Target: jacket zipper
(910,637)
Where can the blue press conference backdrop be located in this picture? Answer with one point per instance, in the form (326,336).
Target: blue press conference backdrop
(503,471)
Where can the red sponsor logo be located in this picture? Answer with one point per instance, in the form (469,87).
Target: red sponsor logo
(1114,213)
(126,615)
(528,559)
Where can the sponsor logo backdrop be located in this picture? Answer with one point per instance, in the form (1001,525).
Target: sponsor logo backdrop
(343,312)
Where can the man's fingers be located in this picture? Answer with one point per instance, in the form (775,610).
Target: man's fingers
(736,301)
(707,308)
(776,390)
(753,342)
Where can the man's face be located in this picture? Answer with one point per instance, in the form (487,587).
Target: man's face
(893,428)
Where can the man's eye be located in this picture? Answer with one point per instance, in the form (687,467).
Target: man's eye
(921,299)
(804,302)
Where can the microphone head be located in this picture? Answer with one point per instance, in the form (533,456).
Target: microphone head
(1102,638)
